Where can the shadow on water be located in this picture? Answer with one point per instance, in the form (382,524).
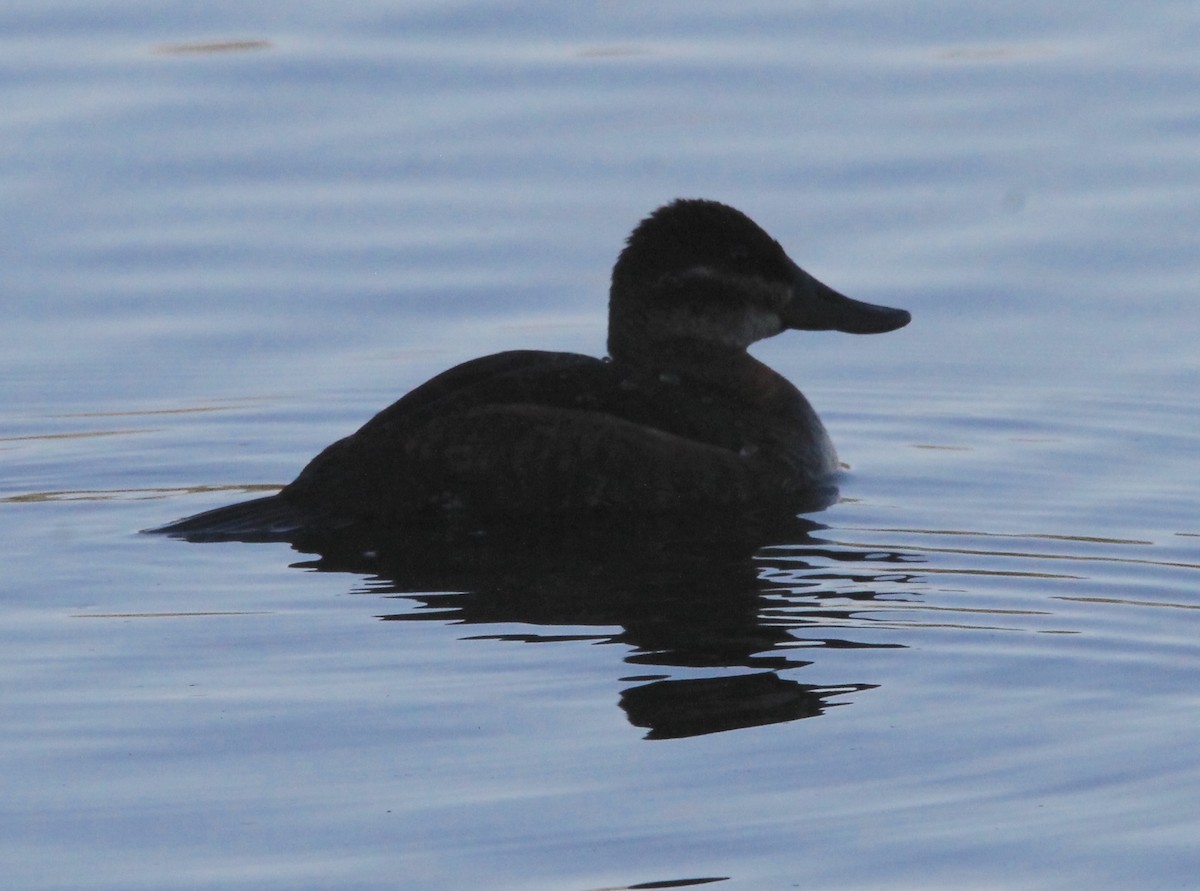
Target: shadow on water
(734,609)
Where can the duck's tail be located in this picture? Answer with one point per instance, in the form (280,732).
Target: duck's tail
(270,518)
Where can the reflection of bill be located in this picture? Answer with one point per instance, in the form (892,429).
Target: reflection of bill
(671,709)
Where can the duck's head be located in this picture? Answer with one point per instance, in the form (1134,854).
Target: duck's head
(701,272)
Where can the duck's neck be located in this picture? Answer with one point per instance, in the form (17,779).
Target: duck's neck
(670,352)
(717,367)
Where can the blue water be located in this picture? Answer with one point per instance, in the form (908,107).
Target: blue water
(232,232)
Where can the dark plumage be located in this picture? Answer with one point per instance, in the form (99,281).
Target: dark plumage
(679,418)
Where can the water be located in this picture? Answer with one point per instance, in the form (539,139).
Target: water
(977,670)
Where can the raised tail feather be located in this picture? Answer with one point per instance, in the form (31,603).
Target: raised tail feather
(269,518)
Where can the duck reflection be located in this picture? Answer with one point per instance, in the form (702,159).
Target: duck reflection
(729,613)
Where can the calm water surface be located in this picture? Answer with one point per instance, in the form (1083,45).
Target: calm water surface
(232,233)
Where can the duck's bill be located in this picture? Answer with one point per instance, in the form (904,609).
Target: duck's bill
(817,307)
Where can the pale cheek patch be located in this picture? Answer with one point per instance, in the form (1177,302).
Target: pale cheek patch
(755,326)
(755,318)
(731,329)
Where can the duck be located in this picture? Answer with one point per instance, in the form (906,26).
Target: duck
(678,418)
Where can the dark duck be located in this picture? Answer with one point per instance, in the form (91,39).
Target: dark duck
(679,420)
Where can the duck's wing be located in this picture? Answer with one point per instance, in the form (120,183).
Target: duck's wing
(518,433)
(394,461)
(517,460)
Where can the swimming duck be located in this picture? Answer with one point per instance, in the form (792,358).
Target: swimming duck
(678,417)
